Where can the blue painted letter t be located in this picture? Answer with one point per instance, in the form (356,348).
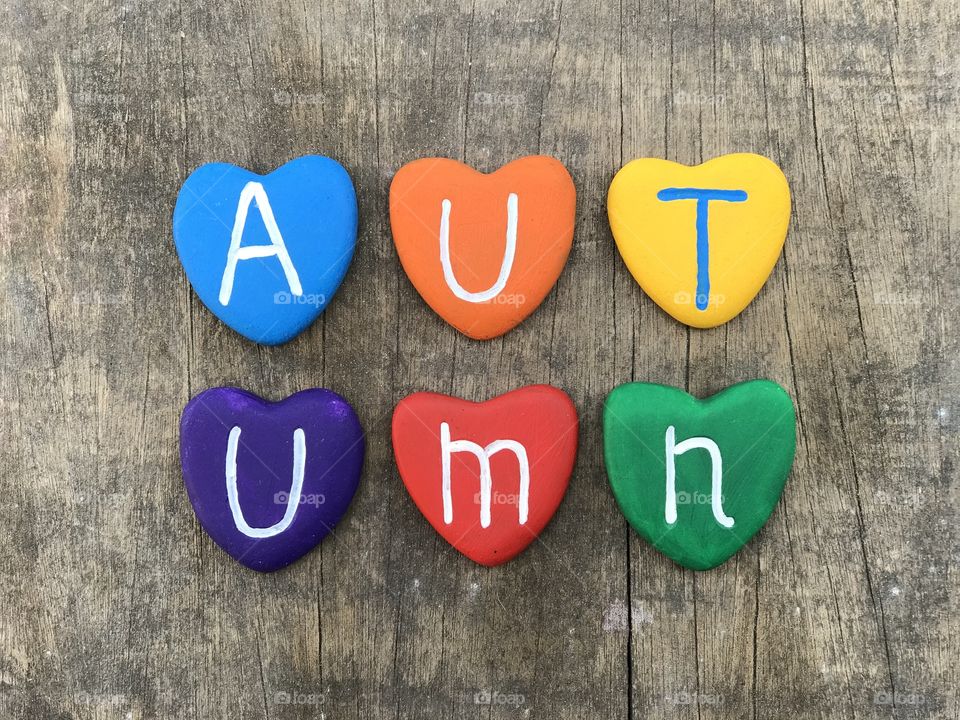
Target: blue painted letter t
(703,197)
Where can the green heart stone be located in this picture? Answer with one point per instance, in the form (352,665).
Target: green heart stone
(698,478)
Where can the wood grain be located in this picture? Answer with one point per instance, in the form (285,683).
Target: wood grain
(114,604)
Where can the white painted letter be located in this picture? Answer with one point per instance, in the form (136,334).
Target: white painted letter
(447,448)
(293,499)
(505,266)
(254,191)
(716,476)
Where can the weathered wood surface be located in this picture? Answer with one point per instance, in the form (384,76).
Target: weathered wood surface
(114,604)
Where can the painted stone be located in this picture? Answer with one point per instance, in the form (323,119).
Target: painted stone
(488,476)
(266,253)
(483,250)
(698,478)
(269,480)
(701,241)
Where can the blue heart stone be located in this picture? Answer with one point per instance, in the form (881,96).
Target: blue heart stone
(266,253)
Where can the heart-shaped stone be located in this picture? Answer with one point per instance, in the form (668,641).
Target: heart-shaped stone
(269,480)
(266,253)
(698,478)
(488,476)
(483,250)
(702,240)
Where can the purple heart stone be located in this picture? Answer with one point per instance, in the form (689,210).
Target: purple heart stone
(269,480)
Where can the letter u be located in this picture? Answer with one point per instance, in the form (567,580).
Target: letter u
(505,266)
(293,499)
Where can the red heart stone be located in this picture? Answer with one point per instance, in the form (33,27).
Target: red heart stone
(488,476)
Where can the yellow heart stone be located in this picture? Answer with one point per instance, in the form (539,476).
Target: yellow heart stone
(702,240)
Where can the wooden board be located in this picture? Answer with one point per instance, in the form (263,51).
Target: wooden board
(114,604)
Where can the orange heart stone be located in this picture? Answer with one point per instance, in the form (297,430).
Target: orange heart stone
(483,249)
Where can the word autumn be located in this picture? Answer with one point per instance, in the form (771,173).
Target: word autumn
(482,250)
(269,480)
(266,254)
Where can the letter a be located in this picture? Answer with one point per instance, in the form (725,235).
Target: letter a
(254,191)
(716,476)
